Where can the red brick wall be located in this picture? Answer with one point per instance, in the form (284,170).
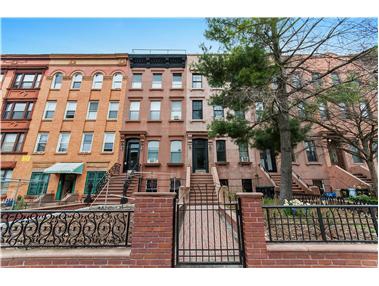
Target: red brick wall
(152,241)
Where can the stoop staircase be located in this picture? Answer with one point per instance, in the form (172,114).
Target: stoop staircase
(296,189)
(202,189)
(363,178)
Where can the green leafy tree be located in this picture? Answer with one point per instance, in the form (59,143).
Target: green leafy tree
(258,60)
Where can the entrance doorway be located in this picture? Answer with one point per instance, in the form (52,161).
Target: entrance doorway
(132,150)
(268,160)
(335,153)
(66,185)
(200,155)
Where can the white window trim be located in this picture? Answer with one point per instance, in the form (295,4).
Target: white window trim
(114,137)
(177,82)
(37,142)
(65,112)
(89,104)
(53,82)
(113,81)
(136,82)
(81,144)
(135,110)
(60,140)
(93,81)
(109,109)
(158,83)
(45,110)
(72,81)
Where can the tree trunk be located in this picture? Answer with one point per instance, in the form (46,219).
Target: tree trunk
(374,176)
(285,151)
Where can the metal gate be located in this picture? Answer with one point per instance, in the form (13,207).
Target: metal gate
(208,229)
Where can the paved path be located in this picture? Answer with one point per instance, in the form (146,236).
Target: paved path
(206,235)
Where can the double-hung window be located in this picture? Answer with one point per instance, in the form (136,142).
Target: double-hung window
(176,110)
(108,143)
(97,82)
(6,176)
(134,110)
(177,80)
(155,110)
(157,80)
(57,81)
(63,142)
(86,145)
(151,185)
(113,110)
(117,81)
(221,150)
(197,109)
(70,110)
(27,80)
(244,152)
(152,151)
(76,81)
(218,112)
(18,110)
(92,110)
(317,81)
(49,109)
(259,110)
(323,109)
(197,81)
(355,154)
(12,142)
(310,149)
(137,80)
(41,142)
(176,151)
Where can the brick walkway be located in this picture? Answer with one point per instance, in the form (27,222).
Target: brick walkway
(207,236)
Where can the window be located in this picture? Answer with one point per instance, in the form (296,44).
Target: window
(197,109)
(49,109)
(176,110)
(335,78)
(63,141)
(317,81)
(137,80)
(18,110)
(1,77)
(355,155)
(93,178)
(239,114)
(27,80)
(176,151)
(157,80)
(177,80)
(301,110)
(310,149)
(6,176)
(155,110)
(12,142)
(97,82)
(247,185)
(70,110)
(197,81)
(86,142)
(244,152)
(320,185)
(113,110)
(108,142)
(364,109)
(218,112)
(134,110)
(117,81)
(57,81)
(175,184)
(224,182)
(296,80)
(344,113)
(151,185)
(41,142)
(38,184)
(221,150)
(258,110)
(152,151)
(323,109)
(76,81)
(92,110)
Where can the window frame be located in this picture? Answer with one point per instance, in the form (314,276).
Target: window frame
(66,110)
(61,134)
(17,144)
(95,82)
(173,111)
(5,176)
(157,84)
(173,153)
(139,86)
(241,152)
(42,187)
(201,110)
(26,115)
(151,185)
(73,81)
(195,82)
(220,110)
(88,109)
(134,111)
(150,152)
(119,82)
(82,142)
(311,150)
(175,84)
(104,142)
(54,82)
(221,154)
(35,84)
(46,110)
(152,111)
(39,135)
(245,182)
(109,110)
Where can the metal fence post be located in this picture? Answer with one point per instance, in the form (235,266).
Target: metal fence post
(320,221)
(373,217)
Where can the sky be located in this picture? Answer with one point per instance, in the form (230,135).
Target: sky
(100,35)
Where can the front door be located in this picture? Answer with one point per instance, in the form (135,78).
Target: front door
(268,161)
(335,153)
(132,155)
(200,155)
(66,185)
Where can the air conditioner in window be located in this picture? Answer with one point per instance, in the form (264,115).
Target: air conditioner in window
(152,161)
(244,159)
(176,117)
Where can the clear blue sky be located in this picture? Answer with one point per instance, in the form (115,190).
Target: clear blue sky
(100,35)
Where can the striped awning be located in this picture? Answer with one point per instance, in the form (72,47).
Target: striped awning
(65,168)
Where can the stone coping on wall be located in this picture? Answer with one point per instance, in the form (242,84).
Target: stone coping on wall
(329,247)
(157,194)
(64,252)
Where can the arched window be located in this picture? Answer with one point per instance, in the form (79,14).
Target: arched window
(152,152)
(97,82)
(76,81)
(176,151)
(57,81)
(117,81)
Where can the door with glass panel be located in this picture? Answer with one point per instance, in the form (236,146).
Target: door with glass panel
(200,155)
(132,155)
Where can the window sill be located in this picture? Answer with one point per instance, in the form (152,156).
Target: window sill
(31,89)
(68,119)
(55,89)
(107,153)
(47,119)
(13,153)
(175,164)
(38,153)
(197,120)
(132,121)
(85,153)
(115,89)
(313,163)
(109,119)
(93,120)
(154,121)
(177,88)
(244,163)
(17,120)
(222,163)
(74,89)
(61,153)
(156,89)
(197,89)
(95,89)
(136,89)
(176,121)
(152,164)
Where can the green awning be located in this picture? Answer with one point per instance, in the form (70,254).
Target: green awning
(65,168)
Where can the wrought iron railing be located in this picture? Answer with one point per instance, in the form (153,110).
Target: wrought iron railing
(325,200)
(114,170)
(95,228)
(315,223)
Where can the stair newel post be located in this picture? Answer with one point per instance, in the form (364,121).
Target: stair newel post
(106,194)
